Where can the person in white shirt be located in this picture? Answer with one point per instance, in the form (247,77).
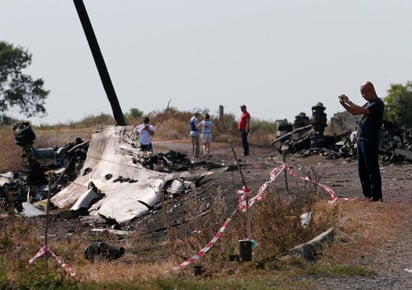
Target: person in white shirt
(206,134)
(145,132)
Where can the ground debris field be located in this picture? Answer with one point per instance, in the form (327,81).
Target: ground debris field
(382,245)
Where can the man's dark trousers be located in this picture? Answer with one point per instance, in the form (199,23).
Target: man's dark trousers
(245,144)
(368,169)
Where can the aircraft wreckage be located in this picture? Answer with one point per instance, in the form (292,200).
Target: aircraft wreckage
(306,136)
(110,177)
(106,177)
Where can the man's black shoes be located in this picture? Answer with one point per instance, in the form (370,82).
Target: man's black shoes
(376,199)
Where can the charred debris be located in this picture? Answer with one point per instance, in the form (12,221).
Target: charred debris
(44,168)
(312,135)
(52,169)
(48,171)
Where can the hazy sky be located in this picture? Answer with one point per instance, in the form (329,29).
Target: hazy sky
(278,57)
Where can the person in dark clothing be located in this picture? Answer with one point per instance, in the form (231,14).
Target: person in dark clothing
(195,134)
(368,139)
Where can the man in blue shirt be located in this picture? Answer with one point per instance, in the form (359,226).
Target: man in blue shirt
(368,139)
(195,134)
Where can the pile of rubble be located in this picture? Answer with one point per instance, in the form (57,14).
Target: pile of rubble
(45,170)
(306,136)
(108,177)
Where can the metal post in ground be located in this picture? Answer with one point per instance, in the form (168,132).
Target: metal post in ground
(46,222)
(285,175)
(245,186)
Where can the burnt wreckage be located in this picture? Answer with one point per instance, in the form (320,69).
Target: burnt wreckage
(44,170)
(93,177)
(306,136)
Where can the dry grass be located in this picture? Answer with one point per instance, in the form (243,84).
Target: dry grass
(10,157)
(363,227)
(46,137)
(275,226)
(119,272)
(360,227)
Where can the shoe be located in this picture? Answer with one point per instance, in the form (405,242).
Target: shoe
(376,199)
(245,155)
(366,198)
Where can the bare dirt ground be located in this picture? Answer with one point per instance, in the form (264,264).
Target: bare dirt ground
(383,243)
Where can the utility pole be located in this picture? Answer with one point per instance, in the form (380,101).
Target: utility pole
(98,59)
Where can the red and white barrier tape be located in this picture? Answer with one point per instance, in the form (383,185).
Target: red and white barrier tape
(244,195)
(43,250)
(243,204)
(209,245)
(275,173)
(329,190)
(272,174)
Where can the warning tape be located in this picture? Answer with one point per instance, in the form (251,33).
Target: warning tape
(272,175)
(43,250)
(209,245)
(244,204)
(275,173)
(329,190)
(243,198)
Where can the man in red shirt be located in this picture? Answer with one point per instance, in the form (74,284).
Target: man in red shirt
(243,127)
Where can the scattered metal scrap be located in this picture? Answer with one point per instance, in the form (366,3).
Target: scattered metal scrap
(31,184)
(107,177)
(101,250)
(306,137)
(395,143)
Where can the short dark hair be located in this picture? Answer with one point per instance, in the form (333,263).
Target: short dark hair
(146,120)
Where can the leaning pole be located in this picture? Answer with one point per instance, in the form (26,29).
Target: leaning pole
(98,59)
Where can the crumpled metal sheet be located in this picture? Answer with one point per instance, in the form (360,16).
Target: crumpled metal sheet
(128,187)
(86,199)
(6,177)
(31,210)
(126,201)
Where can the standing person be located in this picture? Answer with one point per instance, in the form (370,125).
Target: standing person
(194,134)
(206,135)
(243,126)
(145,131)
(368,139)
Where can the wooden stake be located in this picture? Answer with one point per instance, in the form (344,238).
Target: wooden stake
(245,186)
